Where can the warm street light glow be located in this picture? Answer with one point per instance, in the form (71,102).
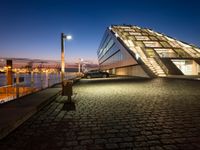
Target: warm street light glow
(7,67)
(116,35)
(67,37)
(137,56)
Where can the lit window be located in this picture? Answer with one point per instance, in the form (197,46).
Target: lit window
(192,52)
(165,44)
(141,37)
(131,38)
(130,42)
(129,30)
(174,44)
(197,49)
(135,33)
(150,52)
(140,44)
(152,44)
(123,27)
(165,52)
(125,33)
(162,38)
(182,53)
(144,33)
(153,38)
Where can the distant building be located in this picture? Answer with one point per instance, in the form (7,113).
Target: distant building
(134,51)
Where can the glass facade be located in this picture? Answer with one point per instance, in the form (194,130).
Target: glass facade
(115,58)
(108,52)
(147,45)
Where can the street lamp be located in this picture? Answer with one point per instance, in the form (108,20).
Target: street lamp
(79,65)
(84,66)
(63,37)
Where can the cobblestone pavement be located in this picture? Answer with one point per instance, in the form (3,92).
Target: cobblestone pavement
(155,114)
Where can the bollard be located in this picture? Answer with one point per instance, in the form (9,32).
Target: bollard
(67,88)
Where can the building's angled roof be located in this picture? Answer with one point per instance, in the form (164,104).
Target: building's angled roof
(151,46)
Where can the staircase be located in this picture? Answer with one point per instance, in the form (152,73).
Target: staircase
(151,62)
(154,66)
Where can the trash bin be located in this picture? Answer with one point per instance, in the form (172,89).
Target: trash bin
(67,88)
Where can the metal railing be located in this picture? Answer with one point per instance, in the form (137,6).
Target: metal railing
(31,85)
(7,93)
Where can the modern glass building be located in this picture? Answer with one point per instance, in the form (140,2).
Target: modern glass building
(134,51)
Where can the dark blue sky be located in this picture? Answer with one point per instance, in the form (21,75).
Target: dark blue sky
(31,28)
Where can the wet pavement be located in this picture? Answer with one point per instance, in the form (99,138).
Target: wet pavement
(116,113)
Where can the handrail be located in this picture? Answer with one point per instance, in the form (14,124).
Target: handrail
(11,92)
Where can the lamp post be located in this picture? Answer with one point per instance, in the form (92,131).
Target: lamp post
(83,68)
(63,37)
(79,65)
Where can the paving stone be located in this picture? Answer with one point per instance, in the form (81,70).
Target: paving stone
(84,133)
(71,143)
(114,140)
(156,114)
(170,147)
(168,141)
(128,139)
(126,145)
(140,138)
(141,144)
(153,137)
(156,148)
(86,142)
(85,137)
(100,141)
(153,143)
(112,146)
(122,134)
(112,131)
(64,148)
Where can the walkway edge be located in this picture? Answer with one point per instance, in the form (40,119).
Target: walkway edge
(20,116)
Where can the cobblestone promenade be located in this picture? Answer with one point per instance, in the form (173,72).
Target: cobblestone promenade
(157,114)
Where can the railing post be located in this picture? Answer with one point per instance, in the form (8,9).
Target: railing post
(41,80)
(48,81)
(60,77)
(6,91)
(32,80)
(17,84)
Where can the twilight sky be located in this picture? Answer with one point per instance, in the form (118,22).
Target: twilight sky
(32,28)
